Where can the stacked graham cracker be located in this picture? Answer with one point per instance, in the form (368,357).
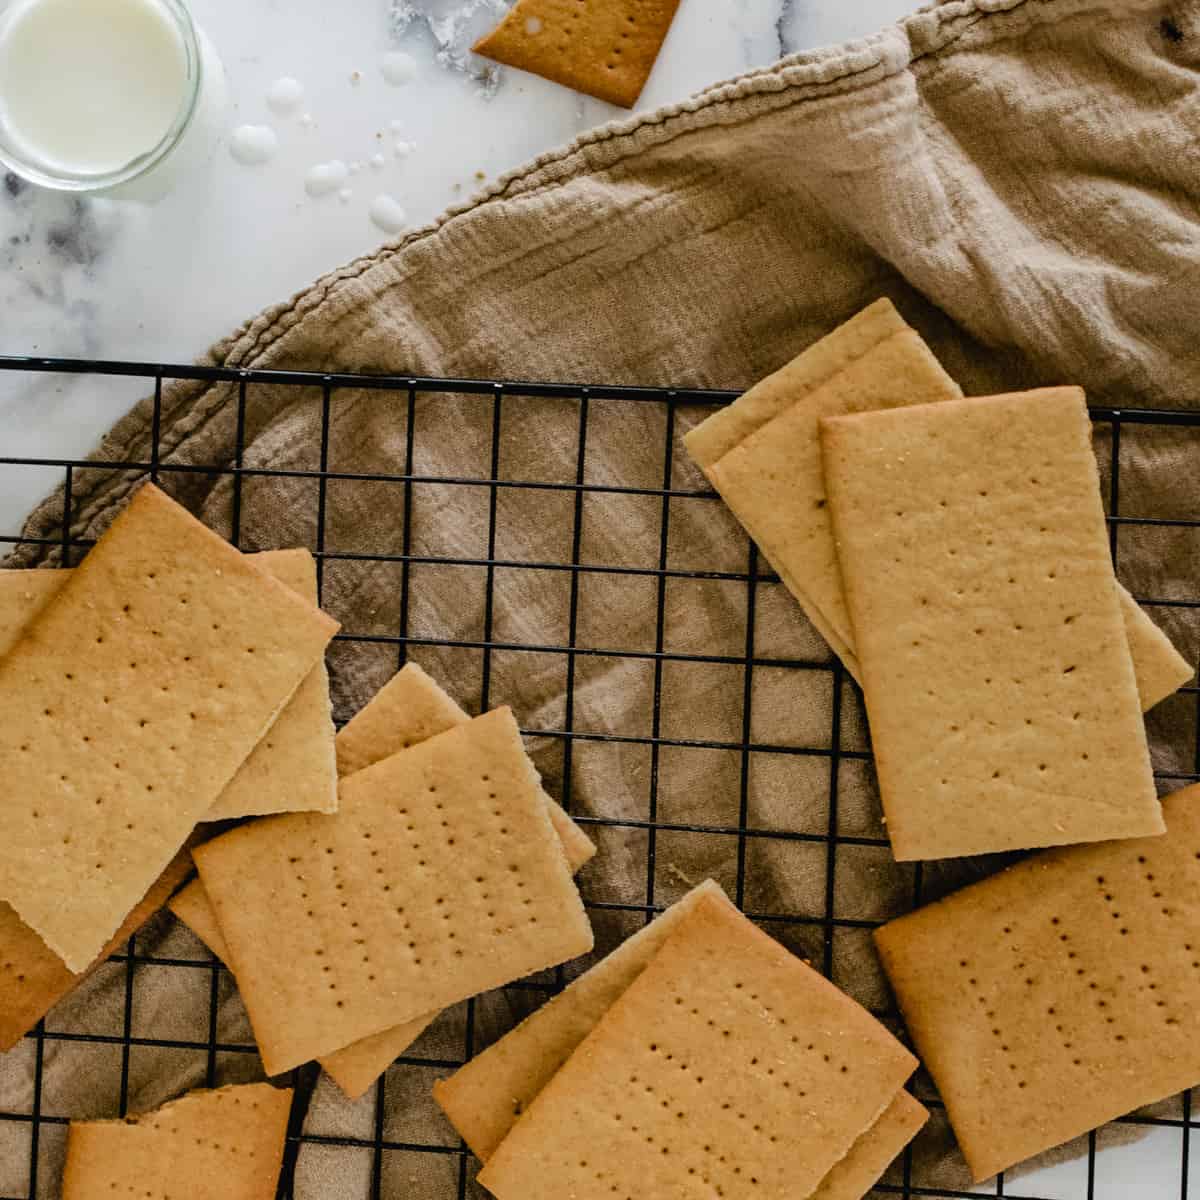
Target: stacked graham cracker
(699,1055)
(446,871)
(954,553)
(166,681)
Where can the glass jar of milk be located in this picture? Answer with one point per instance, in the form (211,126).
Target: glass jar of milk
(106,95)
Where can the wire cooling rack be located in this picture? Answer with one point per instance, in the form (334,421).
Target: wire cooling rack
(1085,1180)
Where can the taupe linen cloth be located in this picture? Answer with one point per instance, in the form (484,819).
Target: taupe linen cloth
(1021,176)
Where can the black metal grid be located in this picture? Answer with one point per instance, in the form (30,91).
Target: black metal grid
(405,391)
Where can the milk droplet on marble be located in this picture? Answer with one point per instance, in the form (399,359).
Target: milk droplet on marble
(403,149)
(252,145)
(285,96)
(307,121)
(345,194)
(326,177)
(387,213)
(533,26)
(398,68)
(377,162)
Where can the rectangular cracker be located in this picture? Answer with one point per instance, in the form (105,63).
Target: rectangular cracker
(1074,976)
(606,50)
(439,877)
(293,768)
(774,482)
(216,1145)
(775,1072)
(33,979)
(410,708)
(484,1097)
(996,670)
(130,702)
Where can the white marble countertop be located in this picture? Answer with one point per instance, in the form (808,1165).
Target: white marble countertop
(117,280)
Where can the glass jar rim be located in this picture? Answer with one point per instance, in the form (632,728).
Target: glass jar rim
(37,173)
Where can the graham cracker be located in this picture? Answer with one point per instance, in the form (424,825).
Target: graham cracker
(1002,700)
(727,1063)
(606,50)
(410,708)
(711,440)
(484,1097)
(440,877)
(293,768)
(130,702)
(33,979)
(1060,993)
(775,483)
(220,1145)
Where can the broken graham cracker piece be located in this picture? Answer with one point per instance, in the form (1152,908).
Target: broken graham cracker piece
(130,702)
(996,670)
(292,769)
(410,708)
(484,1097)
(33,979)
(1073,974)
(775,1072)
(440,877)
(219,1145)
(713,438)
(775,483)
(606,50)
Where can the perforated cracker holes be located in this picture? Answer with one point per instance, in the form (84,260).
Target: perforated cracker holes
(441,876)
(727,1063)
(205,1146)
(1082,973)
